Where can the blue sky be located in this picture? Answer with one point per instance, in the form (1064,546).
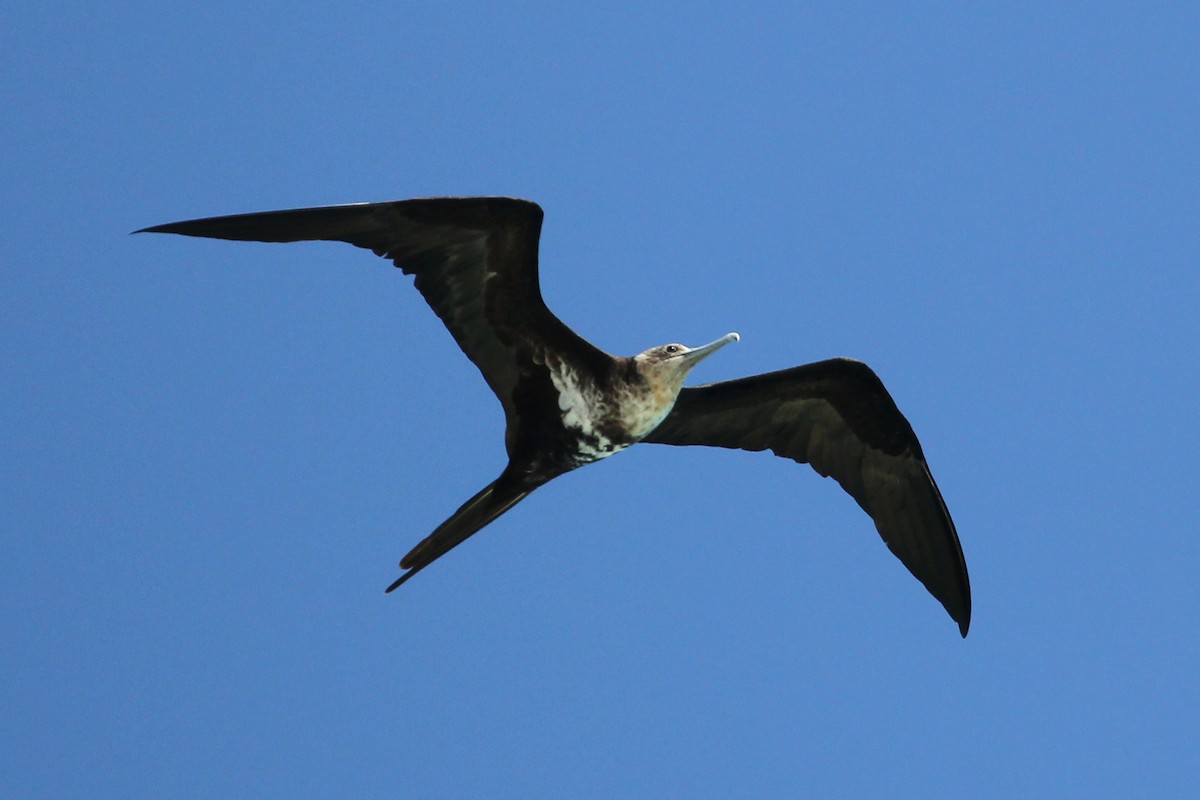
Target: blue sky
(215,453)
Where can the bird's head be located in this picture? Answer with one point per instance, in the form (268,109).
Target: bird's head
(668,364)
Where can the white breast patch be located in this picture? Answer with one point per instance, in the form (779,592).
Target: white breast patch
(581,405)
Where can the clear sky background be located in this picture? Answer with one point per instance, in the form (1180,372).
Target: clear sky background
(215,453)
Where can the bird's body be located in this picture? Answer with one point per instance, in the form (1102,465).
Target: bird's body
(567,403)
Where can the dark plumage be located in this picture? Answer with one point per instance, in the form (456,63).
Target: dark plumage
(567,403)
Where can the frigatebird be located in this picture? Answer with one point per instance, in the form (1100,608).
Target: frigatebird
(567,403)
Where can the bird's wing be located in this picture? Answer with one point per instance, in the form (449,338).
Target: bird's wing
(837,416)
(474,260)
(490,502)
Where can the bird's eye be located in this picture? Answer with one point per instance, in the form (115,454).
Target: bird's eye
(672,348)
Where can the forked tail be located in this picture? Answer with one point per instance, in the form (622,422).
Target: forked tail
(492,501)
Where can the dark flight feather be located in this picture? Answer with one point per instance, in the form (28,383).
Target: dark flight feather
(474,261)
(837,416)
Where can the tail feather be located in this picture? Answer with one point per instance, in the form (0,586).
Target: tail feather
(491,501)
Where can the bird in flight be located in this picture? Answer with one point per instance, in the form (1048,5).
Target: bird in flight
(567,403)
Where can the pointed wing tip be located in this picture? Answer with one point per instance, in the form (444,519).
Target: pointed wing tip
(960,612)
(396,584)
(956,604)
(166,228)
